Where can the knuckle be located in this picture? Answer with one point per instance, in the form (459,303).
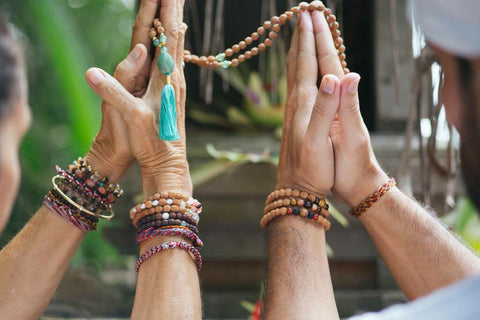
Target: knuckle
(321,57)
(122,68)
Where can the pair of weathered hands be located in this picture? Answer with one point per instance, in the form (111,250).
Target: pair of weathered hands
(325,144)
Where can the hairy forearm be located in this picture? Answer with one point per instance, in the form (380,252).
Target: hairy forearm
(298,277)
(167,285)
(33,264)
(420,252)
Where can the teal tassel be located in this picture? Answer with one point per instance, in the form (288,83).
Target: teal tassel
(168,130)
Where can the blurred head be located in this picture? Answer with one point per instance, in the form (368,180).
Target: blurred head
(452,30)
(14,117)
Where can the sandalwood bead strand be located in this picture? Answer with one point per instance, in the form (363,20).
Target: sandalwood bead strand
(269,29)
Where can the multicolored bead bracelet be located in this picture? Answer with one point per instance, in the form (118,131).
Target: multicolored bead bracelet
(167,246)
(287,201)
(373,198)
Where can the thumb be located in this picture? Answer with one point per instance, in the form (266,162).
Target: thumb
(349,111)
(128,70)
(110,90)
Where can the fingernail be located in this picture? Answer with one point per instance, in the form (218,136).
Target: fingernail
(353,86)
(136,53)
(328,85)
(96,76)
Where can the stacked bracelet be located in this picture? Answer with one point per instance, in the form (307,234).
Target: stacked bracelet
(80,195)
(167,214)
(151,233)
(289,201)
(167,246)
(373,198)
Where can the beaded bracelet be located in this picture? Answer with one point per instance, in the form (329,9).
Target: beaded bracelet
(167,246)
(288,192)
(97,184)
(314,206)
(188,218)
(151,233)
(165,206)
(142,226)
(78,206)
(266,219)
(373,198)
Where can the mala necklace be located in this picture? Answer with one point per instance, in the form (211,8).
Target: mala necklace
(232,57)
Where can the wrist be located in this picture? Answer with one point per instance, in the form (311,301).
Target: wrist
(158,183)
(370,183)
(109,167)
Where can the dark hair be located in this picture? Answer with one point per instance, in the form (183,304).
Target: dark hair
(9,66)
(470,134)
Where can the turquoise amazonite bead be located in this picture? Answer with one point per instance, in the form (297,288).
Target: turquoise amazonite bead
(156,42)
(226,64)
(220,57)
(165,62)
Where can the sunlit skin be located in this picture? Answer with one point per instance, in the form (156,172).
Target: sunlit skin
(324,122)
(410,240)
(42,251)
(12,129)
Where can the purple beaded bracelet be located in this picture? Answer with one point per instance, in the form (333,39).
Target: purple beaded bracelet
(167,246)
(152,233)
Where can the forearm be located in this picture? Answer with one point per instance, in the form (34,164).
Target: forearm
(167,285)
(420,252)
(33,264)
(298,277)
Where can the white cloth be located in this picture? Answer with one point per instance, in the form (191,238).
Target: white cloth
(453,26)
(460,301)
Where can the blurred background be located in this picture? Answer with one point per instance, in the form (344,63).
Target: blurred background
(233,120)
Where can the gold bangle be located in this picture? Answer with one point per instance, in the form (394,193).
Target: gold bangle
(76,205)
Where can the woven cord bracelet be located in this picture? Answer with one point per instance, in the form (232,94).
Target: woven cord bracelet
(167,246)
(373,198)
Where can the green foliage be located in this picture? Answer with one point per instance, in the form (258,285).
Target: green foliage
(62,40)
(466,222)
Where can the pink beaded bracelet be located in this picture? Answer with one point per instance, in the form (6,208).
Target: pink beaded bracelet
(167,246)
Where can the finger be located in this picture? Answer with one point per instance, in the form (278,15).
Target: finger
(168,18)
(292,59)
(128,70)
(349,111)
(143,23)
(111,91)
(306,77)
(307,68)
(327,56)
(324,111)
(181,45)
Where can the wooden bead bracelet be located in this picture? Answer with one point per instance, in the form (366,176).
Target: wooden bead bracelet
(288,192)
(266,219)
(241,48)
(316,205)
(174,200)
